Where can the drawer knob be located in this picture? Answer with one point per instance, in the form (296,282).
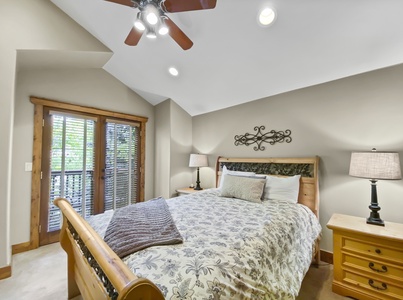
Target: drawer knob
(378,251)
(383,269)
(380,288)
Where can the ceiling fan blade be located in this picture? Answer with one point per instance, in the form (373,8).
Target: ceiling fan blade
(133,37)
(123,2)
(187,5)
(178,35)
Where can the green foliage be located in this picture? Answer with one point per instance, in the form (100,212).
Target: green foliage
(79,143)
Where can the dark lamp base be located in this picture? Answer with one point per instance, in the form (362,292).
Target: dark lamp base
(198,187)
(374,217)
(375,221)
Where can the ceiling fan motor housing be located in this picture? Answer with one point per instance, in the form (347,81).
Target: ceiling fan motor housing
(152,18)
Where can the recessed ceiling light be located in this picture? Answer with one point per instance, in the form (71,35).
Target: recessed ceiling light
(173,71)
(266,16)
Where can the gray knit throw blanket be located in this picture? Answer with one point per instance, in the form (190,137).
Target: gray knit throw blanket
(141,225)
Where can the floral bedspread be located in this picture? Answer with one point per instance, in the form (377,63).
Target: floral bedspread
(233,249)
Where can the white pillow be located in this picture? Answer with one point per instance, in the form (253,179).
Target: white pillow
(225,171)
(282,188)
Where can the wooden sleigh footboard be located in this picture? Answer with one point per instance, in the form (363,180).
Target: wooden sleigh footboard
(94,270)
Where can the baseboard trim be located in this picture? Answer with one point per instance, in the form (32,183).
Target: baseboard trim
(5,272)
(326,256)
(18,248)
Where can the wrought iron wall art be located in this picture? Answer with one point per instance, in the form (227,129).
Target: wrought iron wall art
(259,137)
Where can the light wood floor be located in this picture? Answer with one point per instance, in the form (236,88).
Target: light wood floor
(41,275)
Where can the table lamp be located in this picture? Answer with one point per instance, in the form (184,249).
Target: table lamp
(375,165)
(198,161)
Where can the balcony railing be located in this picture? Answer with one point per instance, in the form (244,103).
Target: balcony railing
(118,192)
(73,191)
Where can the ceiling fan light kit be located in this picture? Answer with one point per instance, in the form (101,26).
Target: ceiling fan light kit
(152,18)
(151,34)
(139,25)
(163,28)
(151,15)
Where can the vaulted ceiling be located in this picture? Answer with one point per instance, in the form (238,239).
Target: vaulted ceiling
(234,60)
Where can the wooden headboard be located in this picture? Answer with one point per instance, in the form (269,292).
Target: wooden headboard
(307,167)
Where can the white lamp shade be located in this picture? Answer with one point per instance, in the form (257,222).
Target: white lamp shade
(198,160)
(375,165)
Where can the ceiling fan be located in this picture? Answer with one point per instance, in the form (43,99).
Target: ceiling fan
(152,18)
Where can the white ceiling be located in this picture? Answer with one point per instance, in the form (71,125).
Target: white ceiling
(234,60)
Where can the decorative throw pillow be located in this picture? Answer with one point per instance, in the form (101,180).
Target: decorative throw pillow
(225,171)
(245,188)
(282,188)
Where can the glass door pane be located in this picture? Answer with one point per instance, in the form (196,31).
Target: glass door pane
(121,164)
(71,165)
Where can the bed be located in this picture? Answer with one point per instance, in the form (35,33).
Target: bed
(233,248)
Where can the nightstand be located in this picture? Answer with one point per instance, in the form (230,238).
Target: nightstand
(368,259)
(186,191)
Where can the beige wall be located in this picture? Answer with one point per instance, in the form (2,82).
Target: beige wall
(328,120)
(86,87)
(162,148)
(28,24)
(173,145)
(181,147)
(7,74)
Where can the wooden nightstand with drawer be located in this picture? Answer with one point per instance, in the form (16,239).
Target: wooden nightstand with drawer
(368,259)
(186,191)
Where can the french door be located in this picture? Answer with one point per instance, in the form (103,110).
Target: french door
(91,160)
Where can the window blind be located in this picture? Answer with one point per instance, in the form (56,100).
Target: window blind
(121,164)
(72,165)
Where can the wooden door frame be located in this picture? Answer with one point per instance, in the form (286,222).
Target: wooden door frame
(46,237)
(45,173)
(39,104)
(100,165)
